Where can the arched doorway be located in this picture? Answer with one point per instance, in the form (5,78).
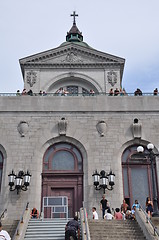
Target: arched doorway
(137,177)
(63,175)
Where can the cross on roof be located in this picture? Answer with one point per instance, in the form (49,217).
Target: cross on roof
(74,15)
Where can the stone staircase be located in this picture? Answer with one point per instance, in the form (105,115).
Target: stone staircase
(42,230)
(115,229)
(10,226)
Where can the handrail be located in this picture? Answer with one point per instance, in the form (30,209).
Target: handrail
(77,94)
(84,224)
(2,214)
(148,220)
(20,221)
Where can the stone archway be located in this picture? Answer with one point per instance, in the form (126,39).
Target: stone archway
(63,176)
(137,175)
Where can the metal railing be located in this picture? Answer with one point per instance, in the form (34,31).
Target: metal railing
(148,220)
(75,94)
(3,213)
(20,221)
(84,224)
(55,207)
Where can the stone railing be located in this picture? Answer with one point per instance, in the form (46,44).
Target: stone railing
(148,228)
(75,94)
(84,224)
(22,225)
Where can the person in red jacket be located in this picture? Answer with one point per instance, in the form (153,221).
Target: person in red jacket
(34,213)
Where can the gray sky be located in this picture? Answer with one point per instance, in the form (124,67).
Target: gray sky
(124,28)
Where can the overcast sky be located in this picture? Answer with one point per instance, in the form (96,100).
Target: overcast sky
(124,28)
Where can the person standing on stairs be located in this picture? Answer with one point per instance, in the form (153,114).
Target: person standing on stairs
(149,207)
(104,205)
(4,235)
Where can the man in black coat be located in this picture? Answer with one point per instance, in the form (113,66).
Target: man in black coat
(71,229)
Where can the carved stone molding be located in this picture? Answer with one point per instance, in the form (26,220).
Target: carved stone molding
(72,57)
(71,74)
(101,127)
(112,78)
(62,126)
(137,129)
(31,78)
(23,128)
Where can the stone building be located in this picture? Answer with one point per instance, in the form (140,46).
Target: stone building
(61,138)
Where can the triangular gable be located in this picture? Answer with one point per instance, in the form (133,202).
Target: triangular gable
(72,53)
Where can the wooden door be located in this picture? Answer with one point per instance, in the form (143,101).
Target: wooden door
(68,192)
(68,185)
(63,175)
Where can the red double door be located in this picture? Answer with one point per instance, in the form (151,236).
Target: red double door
(64,184)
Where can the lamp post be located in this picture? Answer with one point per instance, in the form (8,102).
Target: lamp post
(152,157)
(20,181)
(102,180)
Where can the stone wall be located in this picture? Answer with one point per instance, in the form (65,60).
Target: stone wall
(83,114)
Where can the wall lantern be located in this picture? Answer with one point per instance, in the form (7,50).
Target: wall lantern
(20,181)
(103,180)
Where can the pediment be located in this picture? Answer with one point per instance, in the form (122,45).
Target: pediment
(69,54)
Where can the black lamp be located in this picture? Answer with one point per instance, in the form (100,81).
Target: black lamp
(104,180)
(20,181)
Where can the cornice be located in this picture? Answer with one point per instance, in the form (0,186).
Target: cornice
(72,65)
(92,53)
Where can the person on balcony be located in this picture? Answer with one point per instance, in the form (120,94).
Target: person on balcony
(111,92)
(155,92)
(91,92)
(138,92)
(116,92)
(18,93)
(24,92)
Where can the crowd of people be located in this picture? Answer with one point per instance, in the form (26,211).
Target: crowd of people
(63,92)
(72,229)
(122,213)
(30,93)
(117,92)
(122,92)
(60,92)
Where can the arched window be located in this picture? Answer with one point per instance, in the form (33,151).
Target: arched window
(62,157)
(73,90)
(1,167)
(137,179)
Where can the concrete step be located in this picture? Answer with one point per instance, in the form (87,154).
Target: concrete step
(48,229)
(115,229)
(10,226)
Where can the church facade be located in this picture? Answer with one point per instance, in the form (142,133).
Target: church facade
(71,127)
